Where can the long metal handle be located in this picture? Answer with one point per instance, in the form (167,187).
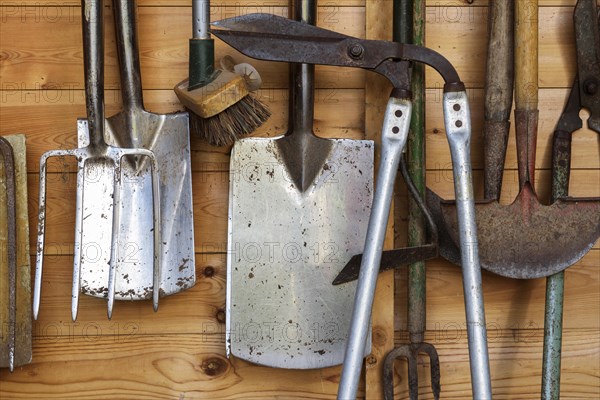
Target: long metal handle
(201,19)
(129,59)
(302,76)
(394,135)
(457,121)
(93,62)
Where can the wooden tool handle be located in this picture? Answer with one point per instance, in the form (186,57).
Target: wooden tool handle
(526,54)
(526,87)
(499,66)
(499,78)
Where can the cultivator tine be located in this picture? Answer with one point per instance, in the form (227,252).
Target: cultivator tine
(388,370)
(11,214)
(434,361)
(411,353)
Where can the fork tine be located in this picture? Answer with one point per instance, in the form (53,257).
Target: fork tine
(434,361)
(39,260)
(9,172)
(76,288)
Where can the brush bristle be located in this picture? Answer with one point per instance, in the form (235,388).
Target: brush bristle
(239,120)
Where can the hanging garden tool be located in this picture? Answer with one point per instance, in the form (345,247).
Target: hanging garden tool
(167,136)
(499,78)
(585,93)
(99,180)
(15,293)
(525,239)
(298,210)
(219,100)
(273,38)
(498,103)
(406,31)
(497,106)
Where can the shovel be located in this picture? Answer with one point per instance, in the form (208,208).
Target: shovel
(99,181)
(167,136)
(15,300)
(274,38)
(525,239)
(298,209)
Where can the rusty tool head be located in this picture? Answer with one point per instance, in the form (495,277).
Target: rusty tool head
(527,239)
(411,353)
(11,242)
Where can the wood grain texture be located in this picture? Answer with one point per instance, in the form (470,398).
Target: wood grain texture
(179,352)
(515,364)
(182,366)
(54,60)
(51,120)
(51,123)
(210,190)
(193,366)
(509,304)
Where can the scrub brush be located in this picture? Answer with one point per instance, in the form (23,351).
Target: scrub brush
(219,100)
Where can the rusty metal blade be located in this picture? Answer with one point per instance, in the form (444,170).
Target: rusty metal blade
(22,301)
(290,41)
(276,27)
(447,247)
(390,259)
(526,239)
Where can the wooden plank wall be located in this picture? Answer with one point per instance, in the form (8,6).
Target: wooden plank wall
(179,352)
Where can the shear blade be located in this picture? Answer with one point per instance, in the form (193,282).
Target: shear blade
(274,27)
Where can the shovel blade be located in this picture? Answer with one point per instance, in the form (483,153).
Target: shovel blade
(286,245)
(167,136)
(527,240)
